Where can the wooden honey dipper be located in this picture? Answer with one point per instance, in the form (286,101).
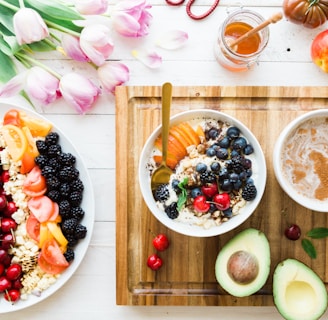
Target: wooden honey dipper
(275,18)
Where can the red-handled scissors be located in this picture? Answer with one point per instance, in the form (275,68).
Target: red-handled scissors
(188,8)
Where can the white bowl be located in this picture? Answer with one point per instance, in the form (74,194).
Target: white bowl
(259,177)
(287,185)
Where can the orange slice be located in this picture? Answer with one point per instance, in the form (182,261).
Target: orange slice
(15,140)
(37,126)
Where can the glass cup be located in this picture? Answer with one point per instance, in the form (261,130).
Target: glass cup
(245,54)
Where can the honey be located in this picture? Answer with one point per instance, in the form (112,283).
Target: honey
(237,29)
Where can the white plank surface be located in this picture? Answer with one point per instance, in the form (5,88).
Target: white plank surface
(286,61)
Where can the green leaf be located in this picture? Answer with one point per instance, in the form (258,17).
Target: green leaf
(41,46)
(8,69)
(183,195)
(318,233)
(6,20)
(309,248)
(54,9)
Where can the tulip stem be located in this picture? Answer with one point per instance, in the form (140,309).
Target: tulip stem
(21,4)
(25,58)
(8,5)
(61,28)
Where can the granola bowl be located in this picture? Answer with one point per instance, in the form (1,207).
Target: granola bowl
(219,173)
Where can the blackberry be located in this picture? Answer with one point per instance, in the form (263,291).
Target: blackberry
(41,160)
(249,192)
(71,240)
(54,150)
(64,190)
(80,231)
(75,198)
(66,159)
(41,146)
(77,185)
(52,183)
(69,255)
(162,193)
(207,177)
(237,164)
(64,208)
(54,195)
(52,138)
(77,213)
(48,171)
(68,226)
(52,162)
(68,174)
(172,211)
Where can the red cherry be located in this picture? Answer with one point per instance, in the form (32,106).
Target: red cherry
(210,189)
(154,262)
(161,242)
(293,232)
(3,202)
(12,295)
(6,240)
(14,271)
(2,268)
(8,225)
(200,204)
(10,209)
(5,176)
(222,201)
(4,283)
(17,284)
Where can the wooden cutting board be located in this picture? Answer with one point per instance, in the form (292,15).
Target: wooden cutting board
(187,276)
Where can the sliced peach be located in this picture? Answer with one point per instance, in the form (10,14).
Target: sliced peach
(176,134)
(200,131)
(171,160)
(185,135)
(186,127)
(176,148)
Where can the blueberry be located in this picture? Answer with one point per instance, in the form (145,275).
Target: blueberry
(226,185)
(195,192)
(228,213)
(225,142)
(243,176)
(249,173)
(222,153)
(201,167)
(223,174)
(237,185)
(175,185)
(213,133)
(233,132)
(215,167)
(213,208)
(248,149)
(234,153)
(239,144)
(234,177)
(210,152)
(247,163)
(249,181)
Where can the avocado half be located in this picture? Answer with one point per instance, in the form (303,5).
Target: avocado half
(298,292)
(243,265)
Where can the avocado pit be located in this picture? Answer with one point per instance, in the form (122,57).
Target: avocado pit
(243,267)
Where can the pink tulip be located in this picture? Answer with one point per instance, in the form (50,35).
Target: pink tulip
(72,48)
(96,43)
(39,85)
(91,6)
(131,18)
(42,86)
(29,26)
(78,91)
(112,74)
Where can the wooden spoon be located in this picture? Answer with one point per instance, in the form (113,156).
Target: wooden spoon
(275,18)
(162,174)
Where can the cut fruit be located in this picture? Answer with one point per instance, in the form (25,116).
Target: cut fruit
(15,140)
(37,126)
(187,128)
(243,265)
(171,160)
(298,292)
(177,135)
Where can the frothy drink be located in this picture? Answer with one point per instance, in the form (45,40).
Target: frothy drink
(305,159)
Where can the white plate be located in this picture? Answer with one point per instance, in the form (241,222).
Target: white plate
(88,205)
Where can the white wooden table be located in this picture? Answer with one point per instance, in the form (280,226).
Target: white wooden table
(90,293)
